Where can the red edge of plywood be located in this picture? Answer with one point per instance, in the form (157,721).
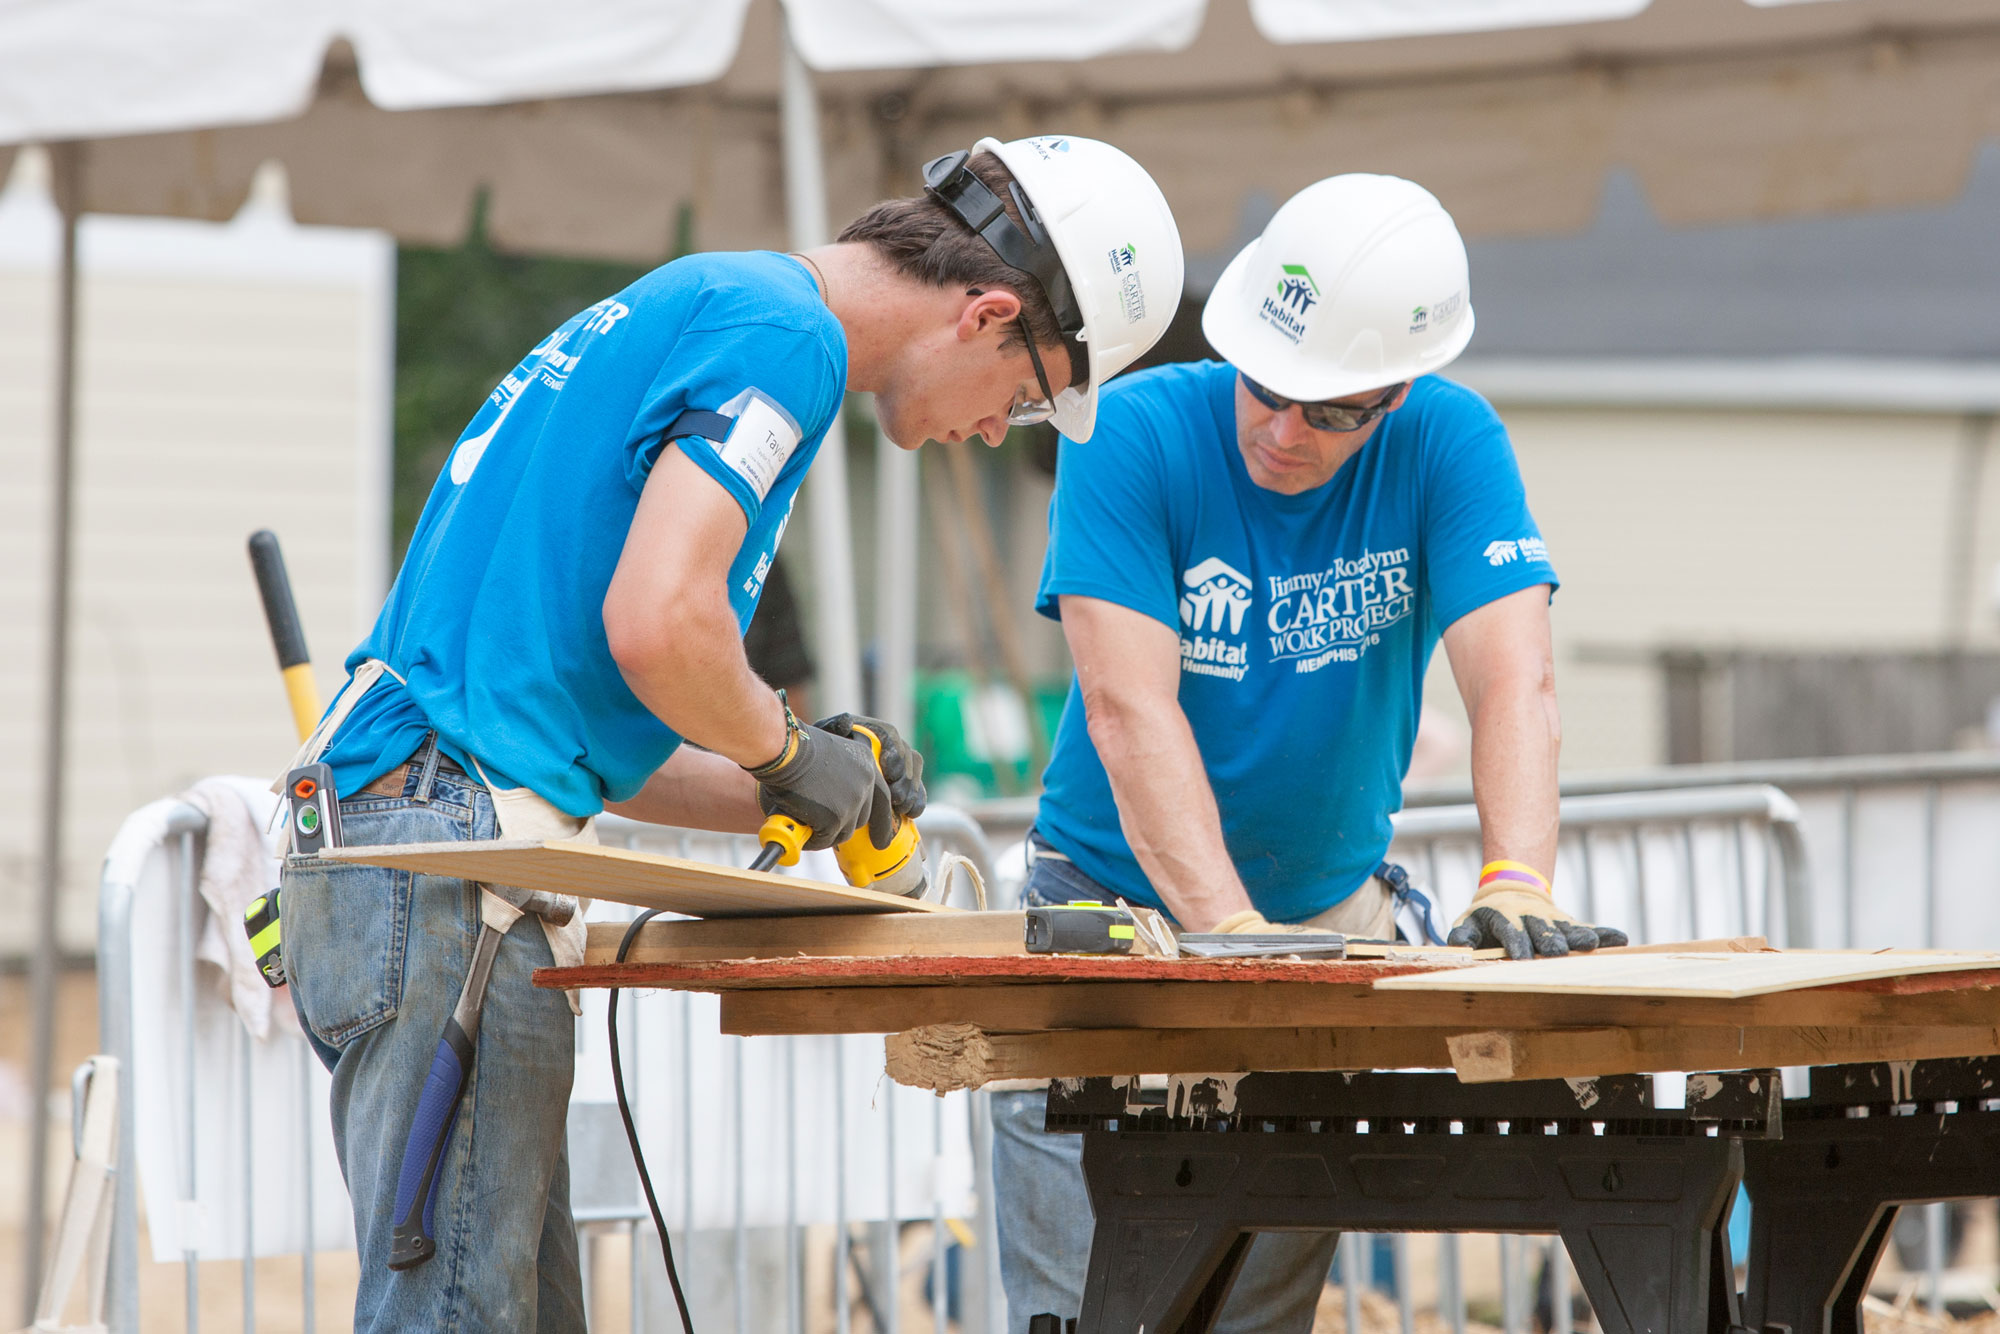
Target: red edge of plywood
(933,970)
(947,970)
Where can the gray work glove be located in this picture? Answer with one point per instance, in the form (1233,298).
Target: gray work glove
(1526,923)
(902,766)
(830,784)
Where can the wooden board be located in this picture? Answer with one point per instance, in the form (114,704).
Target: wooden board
(1936,1000)
(945,1057)
(1483,1058)
(881,934)
(1719,975)
(589,870)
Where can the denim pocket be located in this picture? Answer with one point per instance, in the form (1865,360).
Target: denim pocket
(347,927)
(344,932)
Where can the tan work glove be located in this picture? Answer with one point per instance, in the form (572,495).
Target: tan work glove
(1250,922)
(1512,915)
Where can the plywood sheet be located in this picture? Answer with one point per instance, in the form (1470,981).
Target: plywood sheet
(1721,976)
(644,879)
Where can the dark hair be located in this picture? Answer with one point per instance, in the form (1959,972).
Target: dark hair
(926,241)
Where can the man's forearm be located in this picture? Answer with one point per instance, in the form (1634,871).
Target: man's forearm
(696,790)
(1168,811)
(694,678)
(1516,739)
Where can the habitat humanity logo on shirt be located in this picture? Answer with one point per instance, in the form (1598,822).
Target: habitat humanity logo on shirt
(1217,596)
(1526,548)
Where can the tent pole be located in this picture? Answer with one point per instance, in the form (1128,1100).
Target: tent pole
(839,685)
(64,183)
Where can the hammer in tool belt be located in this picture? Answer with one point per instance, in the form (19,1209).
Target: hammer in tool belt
(500,906)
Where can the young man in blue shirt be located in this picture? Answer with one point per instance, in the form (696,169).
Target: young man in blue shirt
(1253,561)
(572,608)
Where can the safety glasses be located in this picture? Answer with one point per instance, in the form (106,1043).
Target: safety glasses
(1027,411)
(1339,417)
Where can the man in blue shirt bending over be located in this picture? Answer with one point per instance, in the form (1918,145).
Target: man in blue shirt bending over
(572,608)
(1252,561)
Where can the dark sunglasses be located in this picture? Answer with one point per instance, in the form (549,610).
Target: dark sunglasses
(1340,417)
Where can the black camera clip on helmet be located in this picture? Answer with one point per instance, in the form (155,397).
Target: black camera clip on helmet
(952,183)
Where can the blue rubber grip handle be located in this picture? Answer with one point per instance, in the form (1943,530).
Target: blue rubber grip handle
(423,1156)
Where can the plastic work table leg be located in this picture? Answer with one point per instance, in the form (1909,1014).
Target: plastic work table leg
(1824,1197)
(1638,1195)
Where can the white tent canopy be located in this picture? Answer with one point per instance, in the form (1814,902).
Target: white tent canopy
(103,67)
(1724,110)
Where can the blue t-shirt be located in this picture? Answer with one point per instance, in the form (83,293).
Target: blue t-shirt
(496,620)
(1306,622)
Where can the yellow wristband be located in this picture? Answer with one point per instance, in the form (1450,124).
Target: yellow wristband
(1518,872)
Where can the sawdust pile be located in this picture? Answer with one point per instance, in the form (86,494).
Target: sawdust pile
(1379,1316)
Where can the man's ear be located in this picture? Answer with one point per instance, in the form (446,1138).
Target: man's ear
(987,312)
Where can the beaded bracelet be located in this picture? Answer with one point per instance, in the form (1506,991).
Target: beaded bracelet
(1517,872)
(792,730)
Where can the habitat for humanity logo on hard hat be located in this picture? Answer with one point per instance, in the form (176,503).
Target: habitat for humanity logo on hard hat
(1285,310)
(1130,295)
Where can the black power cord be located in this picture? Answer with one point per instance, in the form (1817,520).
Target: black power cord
(632,1131)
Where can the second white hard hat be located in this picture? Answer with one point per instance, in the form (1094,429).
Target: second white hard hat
(1358,282)
(1120,250)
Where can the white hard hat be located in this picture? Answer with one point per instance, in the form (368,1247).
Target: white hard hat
(1117,279)
(1357,283)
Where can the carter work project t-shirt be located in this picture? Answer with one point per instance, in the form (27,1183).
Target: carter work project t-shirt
(1306,622)
(496,620)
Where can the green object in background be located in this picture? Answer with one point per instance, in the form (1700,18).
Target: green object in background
(975,740)
(465,315)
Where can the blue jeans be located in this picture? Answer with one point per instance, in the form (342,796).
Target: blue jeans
(1044,1214)
(377,958)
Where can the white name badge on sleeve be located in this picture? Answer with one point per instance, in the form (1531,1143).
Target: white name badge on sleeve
(761,442)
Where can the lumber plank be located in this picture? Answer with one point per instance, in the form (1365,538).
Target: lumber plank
(882,934)
(643,879)
(1943,1000)
(1482,1058)
(1715,975)
(945,1057)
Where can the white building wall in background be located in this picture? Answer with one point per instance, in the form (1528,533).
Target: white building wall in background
(230,377)
(1768,527)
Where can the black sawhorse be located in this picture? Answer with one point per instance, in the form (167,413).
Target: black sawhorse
(1823,1198)
(1181,1182)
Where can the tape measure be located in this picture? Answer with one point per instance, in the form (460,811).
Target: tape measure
(1080,928)
(261,924)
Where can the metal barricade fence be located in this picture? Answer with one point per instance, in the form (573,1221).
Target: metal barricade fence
(909,1123)
(173,832)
